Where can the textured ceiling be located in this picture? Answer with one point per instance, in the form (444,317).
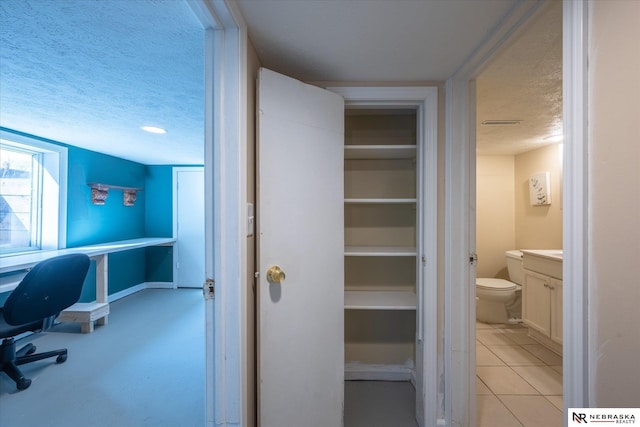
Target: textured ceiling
(90,73)
(524,82)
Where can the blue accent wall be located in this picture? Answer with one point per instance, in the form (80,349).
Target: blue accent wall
(158,221)
(150,216)
(87,223)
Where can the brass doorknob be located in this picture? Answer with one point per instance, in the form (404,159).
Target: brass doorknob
(275,274)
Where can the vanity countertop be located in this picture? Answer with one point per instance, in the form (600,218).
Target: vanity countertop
(553,254)
(544,261)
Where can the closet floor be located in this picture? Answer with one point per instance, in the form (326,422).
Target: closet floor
(379,404)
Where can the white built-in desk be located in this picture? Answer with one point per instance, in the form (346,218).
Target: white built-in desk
(85,313)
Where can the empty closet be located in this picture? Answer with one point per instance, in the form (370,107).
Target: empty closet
(381,257)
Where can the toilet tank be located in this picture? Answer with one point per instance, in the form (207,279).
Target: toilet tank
(514,266)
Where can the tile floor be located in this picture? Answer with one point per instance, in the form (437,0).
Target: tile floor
(519,382)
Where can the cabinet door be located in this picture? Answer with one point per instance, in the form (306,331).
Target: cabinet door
(300,229)
(555,286)
(536,304)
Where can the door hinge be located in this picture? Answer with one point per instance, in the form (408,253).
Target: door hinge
(209,289)
(473,258)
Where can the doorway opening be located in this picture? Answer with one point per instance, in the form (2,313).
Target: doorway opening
(519,156)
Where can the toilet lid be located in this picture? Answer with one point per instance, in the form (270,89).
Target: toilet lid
(499,284)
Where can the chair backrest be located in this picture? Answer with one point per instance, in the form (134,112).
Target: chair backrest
(48,288)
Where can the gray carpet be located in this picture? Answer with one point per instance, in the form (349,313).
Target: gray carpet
(145,368)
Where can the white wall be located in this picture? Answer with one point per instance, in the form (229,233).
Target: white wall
(614,202)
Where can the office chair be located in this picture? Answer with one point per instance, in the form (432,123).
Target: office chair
(47,289)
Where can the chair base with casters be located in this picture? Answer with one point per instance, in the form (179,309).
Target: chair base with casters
(48,288)
(10,359)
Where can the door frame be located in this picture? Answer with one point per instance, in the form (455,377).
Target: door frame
(425,100)
(225,142)
(459,275)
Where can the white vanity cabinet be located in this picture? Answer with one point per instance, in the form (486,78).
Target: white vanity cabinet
(542,297)
(542,309)
(381,202)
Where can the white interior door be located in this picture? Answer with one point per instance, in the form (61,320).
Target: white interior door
(301,230)
(189,227)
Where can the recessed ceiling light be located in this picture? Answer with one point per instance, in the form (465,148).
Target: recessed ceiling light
(153,129)
(501,122)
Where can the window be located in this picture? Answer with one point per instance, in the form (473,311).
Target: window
(32,194)
(20,185)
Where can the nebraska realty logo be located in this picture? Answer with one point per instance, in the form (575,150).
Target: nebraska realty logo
(581,416)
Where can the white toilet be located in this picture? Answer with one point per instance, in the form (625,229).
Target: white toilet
(499,300)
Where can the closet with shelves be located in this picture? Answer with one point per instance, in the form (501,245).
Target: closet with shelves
(347,207)
(381,256)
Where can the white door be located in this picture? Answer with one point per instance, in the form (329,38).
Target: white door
(189,227)
(301,230)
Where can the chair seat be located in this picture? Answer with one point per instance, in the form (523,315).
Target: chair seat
(7,330)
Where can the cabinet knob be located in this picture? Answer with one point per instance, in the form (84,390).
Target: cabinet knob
(275,274)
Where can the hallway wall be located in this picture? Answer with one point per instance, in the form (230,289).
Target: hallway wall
(614,202)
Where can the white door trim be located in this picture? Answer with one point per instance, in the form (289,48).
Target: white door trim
(459,328)
(425,99)
(577,381)
(459,401)
(225,204)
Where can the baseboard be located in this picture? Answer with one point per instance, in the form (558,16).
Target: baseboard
(126,292)
(160,285)
(140,287)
